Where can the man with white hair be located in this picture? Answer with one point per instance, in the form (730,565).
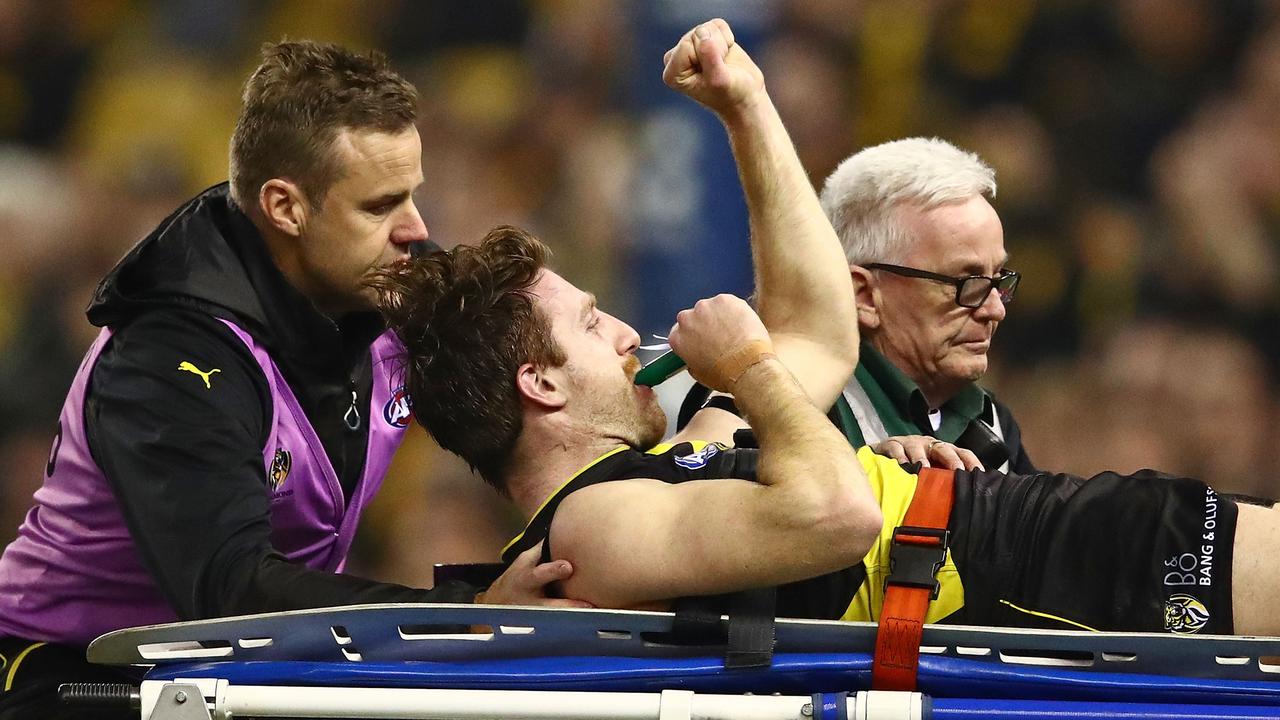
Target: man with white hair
(926,253)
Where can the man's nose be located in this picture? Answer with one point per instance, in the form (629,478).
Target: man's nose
(628,339)
(412,230)
(992,307)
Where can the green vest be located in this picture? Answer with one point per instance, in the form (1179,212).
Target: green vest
(899,405)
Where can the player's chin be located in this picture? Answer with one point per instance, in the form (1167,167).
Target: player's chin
(655,426)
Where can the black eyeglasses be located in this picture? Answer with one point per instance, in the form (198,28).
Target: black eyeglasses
(971,290)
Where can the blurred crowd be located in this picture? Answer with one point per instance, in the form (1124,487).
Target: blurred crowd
(1136,144)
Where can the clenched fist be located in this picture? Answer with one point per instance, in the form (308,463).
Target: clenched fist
(709,67)
(718,338)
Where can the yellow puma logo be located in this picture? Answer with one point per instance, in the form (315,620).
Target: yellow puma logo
(197,371)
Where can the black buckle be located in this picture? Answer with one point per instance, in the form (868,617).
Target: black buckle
(917,565)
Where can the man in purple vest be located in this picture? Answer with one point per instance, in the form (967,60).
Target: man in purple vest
(240,406)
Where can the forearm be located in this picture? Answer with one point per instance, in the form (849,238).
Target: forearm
(266,582)
(802,455)
(802,279)
(804,508)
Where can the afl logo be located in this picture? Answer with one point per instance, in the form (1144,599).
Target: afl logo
(1184,614)
(697,460)
(280,466)
(398,409)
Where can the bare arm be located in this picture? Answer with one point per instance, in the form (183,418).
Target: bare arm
(525,582)
(804,291)
(636,542)
(811,510)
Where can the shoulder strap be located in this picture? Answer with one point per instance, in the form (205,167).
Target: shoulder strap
(918,550)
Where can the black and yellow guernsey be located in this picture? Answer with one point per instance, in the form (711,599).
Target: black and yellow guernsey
(854,593)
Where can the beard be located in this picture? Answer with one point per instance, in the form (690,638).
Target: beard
(650,421)
(633,417)
(636,417)
(652,424)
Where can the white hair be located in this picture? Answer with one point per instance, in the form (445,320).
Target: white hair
(861,198)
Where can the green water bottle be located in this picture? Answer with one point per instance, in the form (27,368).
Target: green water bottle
(660,368)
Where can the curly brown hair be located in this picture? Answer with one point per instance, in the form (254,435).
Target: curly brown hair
(468,321)
(294,105)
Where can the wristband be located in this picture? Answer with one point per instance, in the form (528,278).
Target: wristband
(732,365)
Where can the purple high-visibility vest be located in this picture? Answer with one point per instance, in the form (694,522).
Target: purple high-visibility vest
(73,572)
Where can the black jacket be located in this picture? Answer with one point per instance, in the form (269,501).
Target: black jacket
(186,465)
(1019,461)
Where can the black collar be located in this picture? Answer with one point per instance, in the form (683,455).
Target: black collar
(294,326)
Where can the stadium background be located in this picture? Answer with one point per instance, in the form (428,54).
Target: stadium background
(1137,145)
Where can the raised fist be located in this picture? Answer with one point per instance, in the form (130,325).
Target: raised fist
(711,332)
(709,67)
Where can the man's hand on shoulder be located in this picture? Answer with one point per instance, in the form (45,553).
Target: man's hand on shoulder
(708,66)
(928,451)
(526,581)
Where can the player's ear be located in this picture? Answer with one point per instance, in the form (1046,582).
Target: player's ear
(544,387)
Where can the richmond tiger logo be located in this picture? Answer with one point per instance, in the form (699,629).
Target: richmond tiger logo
(1184,614)
(281,464)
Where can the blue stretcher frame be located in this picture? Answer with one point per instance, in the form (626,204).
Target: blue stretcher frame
(965,671)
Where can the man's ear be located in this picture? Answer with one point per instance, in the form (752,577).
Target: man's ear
(541,386)
(866,295)
(283,205)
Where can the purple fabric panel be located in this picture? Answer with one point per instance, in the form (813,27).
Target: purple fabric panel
(309,523)
(388,417)
(73,572)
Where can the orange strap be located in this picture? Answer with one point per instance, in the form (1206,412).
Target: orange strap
(918,550)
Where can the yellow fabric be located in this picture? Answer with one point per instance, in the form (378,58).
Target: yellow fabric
(894,488)
(663,447)
(1049,616)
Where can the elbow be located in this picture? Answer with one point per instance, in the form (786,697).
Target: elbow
(845,522)
(847,335)
(851,347)
(866,522)
(843,347)
(857,527)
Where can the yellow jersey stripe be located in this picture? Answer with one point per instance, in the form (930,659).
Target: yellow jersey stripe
(1082,626)
(660,448)
(655,450)
(13,669)
(586,467)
